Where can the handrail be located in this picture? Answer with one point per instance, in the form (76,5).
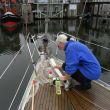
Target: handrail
(57,14)
(42,13)
(45,15)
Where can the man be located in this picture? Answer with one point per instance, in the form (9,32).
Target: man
(80,63)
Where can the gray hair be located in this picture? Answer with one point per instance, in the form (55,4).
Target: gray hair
(61,38)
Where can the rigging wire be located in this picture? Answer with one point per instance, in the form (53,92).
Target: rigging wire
(81,17)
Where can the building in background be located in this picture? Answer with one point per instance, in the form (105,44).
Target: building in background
(68,8)
(53,8)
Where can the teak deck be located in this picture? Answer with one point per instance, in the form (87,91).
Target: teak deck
(97,98)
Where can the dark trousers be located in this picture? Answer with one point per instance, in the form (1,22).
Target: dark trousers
(78,76)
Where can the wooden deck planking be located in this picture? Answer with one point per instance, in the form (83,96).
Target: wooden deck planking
(47,98)
(46,95)
(75,101)
(52,99)
(96,98)
(40,99)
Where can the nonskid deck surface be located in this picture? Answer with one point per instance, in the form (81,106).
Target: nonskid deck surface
(97,98)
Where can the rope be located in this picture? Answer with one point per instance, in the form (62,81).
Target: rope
(20,83)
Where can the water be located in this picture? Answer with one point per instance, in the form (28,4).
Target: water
(92,30)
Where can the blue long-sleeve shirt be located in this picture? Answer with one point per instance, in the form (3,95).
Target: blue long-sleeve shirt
(79,57)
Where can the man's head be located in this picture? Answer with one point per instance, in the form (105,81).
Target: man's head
(61,40)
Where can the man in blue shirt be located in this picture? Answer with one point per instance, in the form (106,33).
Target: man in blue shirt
(80,63)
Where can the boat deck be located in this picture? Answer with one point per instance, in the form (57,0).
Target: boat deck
(97,98)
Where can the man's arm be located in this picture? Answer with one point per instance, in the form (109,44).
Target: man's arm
(65,76)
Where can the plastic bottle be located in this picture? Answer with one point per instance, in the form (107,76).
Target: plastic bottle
(50,77)
(58,86)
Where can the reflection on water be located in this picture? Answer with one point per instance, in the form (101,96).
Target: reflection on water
(9,43)
(54,26)
(98,33)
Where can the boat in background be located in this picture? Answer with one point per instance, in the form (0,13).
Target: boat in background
(10,20)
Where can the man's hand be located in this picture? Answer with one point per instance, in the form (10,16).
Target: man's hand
(58,67)
(65,77)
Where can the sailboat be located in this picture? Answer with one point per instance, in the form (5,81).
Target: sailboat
(10,20)
(40,94)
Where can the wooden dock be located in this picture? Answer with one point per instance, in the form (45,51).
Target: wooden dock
(97,98)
